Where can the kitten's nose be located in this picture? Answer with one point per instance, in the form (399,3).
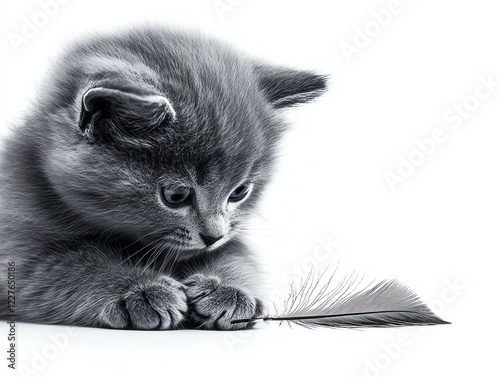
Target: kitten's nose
(209,240)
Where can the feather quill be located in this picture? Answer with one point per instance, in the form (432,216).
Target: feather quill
(385,304)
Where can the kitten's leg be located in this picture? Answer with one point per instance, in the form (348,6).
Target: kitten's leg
(92,286)
(224,289)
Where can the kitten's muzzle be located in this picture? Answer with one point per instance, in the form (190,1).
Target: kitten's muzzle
(210,240)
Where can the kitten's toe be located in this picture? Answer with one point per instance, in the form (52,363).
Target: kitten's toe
(159,304)
(213,305)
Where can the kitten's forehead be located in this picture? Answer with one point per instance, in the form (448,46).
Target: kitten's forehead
(205,161)
(218,138)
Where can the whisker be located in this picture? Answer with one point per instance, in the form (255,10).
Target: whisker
(141,249)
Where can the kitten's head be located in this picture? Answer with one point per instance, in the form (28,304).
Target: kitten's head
(167,137)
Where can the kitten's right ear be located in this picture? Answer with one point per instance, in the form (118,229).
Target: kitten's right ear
(109,113)
(285,87)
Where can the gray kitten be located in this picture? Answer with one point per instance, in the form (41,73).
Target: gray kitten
(123,190)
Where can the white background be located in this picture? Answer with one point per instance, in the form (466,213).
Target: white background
(437,231)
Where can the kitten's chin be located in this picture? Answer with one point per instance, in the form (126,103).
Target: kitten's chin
(186,251)
(218,245)
(191,252)
(183,252)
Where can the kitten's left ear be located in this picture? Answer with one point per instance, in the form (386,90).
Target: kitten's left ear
(285,87)
(109,113)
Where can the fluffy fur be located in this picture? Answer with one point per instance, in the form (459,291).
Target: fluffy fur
(120,118)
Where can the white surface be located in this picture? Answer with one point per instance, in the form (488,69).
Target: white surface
(438,229)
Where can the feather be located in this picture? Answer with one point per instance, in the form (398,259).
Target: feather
(385,304)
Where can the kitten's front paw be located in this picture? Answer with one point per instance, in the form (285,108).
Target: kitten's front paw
(213,305)
(158,304)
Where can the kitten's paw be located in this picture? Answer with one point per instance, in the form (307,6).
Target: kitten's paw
(158,304)
(213,305)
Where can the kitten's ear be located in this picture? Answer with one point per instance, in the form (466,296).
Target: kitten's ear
(285,87)
(109,112)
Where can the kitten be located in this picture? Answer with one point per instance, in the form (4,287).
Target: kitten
(123,191)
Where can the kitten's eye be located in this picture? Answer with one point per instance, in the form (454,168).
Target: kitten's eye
(177,196)
(240,192)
